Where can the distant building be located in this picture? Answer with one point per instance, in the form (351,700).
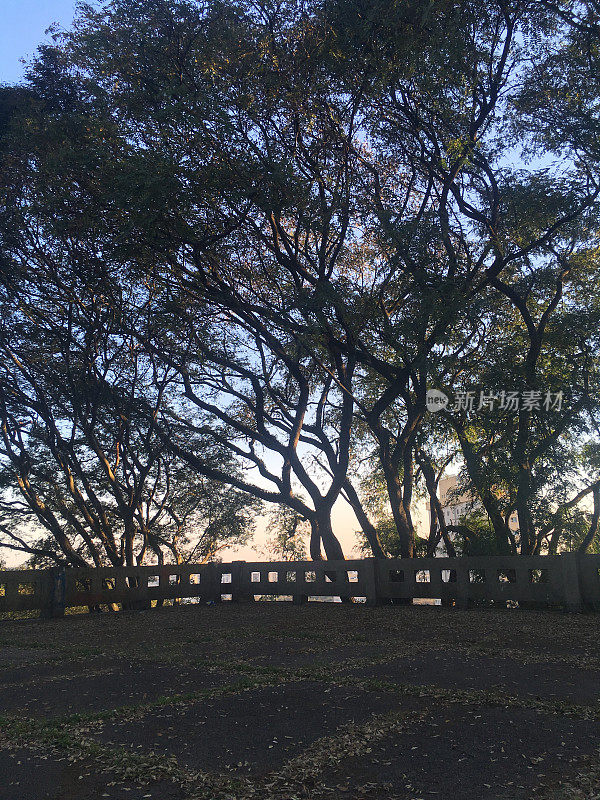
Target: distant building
(456,506)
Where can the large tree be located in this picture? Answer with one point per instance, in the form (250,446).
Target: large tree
(341,184)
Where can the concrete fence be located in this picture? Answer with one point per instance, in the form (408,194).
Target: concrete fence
(569,580)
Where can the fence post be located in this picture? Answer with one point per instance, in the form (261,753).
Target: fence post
(213,578)
(57,589)
(239,592)
(371,578)
(589,580)
(572,596)
(299,599)
(463,579)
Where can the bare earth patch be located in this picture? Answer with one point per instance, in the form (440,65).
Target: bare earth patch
(276,702)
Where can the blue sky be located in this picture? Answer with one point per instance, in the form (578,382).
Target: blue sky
(22,26)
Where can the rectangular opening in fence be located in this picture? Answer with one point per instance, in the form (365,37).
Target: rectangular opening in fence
(2,590)
(310,576)
(290,576)
(255,577)
(320,599)
(396,575)
(226,597)
(538,576)
(352,575)
(273,577)
(82,585)
(330,577)
(422,576)
(153,581)
(448,575)
(476,576)
(108,583)
(173,580)
(273,598)
(507,576)
(194,578)
(226,577)
(26,588)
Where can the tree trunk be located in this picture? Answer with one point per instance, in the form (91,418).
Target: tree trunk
(591,534)
(321,531)
(406,533)
(437,512)
(366,525)
(476,472)
(526,531)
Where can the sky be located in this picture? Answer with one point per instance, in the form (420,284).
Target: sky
(22,26)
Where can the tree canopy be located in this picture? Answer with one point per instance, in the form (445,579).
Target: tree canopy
(291,219)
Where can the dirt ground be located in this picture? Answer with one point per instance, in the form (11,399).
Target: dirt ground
(278,702)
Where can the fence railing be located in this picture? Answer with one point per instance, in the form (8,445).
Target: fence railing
(571,580)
